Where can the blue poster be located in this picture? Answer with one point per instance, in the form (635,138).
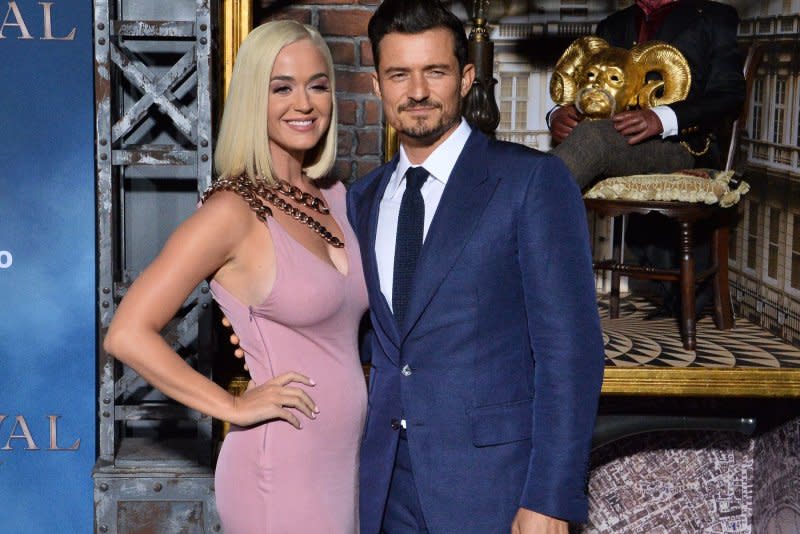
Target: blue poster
(47,267)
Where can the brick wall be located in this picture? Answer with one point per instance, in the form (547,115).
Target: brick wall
(344,25)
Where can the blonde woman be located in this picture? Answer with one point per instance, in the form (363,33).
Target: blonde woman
(285,268)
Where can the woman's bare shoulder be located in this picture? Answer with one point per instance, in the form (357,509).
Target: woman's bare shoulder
(227,210)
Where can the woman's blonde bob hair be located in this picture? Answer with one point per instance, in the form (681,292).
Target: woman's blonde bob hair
(242,146)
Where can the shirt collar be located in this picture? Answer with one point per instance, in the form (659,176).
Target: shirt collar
(439,164)
(650,6)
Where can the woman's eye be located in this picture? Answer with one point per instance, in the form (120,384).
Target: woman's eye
(281,89)
(323,87)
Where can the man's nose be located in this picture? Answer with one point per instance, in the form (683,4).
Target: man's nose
(418,88)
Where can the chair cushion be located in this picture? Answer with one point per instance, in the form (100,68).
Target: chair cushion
(693,185)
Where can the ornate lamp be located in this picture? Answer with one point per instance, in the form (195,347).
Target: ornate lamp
(480,107)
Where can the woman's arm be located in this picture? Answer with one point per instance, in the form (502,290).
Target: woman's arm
(202,245)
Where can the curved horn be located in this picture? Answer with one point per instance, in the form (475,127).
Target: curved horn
(563,86)
(669,63)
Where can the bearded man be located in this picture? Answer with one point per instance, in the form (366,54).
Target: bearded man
(663,138)
(487,354)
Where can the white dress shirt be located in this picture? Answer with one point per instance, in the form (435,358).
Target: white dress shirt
(440,165)
(668,120)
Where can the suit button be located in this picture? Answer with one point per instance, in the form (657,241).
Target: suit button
(396,425)
(406,370)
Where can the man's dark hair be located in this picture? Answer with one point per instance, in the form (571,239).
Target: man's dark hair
(415,16)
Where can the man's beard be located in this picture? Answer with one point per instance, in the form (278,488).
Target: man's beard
(421,131)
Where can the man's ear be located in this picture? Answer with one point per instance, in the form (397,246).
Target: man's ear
(467,77)
(376,85)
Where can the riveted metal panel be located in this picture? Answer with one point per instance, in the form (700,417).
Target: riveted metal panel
(153,150)
(158,503)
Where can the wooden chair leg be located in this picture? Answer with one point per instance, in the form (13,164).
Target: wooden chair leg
(723,314)
(687,287)
(613,299)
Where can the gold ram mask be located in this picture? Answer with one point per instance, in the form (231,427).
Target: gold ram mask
(602,80)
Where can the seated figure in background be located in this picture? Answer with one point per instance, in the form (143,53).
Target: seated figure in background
(663,138)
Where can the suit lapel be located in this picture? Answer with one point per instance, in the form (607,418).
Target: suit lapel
(369,216)
(676,21)
(631,27)
(462,203)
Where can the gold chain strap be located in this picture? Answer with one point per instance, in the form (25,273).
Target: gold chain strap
(295,193)
(255,194)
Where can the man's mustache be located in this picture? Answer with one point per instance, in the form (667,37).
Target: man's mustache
(419,104)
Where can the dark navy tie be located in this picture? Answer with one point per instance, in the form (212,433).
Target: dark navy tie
(409,241)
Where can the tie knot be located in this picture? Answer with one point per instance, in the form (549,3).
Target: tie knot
(415,177)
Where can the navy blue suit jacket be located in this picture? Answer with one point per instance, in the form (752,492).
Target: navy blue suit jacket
(504,343)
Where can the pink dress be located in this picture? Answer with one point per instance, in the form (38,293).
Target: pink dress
(274,478)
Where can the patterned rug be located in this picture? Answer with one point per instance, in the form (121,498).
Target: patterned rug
(631,341)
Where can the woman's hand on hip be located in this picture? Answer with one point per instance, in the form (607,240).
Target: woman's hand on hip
(275,399)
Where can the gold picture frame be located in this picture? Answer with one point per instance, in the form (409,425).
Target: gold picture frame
(391,142)
(621,381)
(676,381)
(701,382)
(237,21)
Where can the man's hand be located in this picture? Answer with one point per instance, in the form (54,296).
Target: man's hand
(562,121)
(530,522)
(638,125)
(234,340)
